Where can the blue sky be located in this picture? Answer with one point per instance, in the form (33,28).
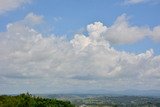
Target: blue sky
(70,32)
(69,17)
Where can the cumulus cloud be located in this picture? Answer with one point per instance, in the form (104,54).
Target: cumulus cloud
(30,61)
(95,30)
(122,32)
(156,33)
(9,5)
(80,41)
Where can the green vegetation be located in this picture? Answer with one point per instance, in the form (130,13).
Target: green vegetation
(27,100)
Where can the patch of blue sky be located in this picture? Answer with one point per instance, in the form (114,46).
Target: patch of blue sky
(140,47)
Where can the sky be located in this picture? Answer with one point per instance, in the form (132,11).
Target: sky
(79,46)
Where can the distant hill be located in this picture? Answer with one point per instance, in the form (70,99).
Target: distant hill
(130,92)
(154,93)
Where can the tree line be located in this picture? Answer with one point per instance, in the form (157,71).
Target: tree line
(27,100)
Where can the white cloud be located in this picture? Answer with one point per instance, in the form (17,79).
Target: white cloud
(95,30)
(9,5)
(156,33)
(34,19)
(30,60)
(80,41)
(122,32)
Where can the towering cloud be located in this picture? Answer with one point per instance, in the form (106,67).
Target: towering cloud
(88,62)
(121,32)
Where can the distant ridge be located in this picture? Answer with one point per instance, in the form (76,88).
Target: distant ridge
(155,93)
(130,92)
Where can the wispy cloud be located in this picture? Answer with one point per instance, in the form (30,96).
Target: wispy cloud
(84,62)
(134,2)
(56,19)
